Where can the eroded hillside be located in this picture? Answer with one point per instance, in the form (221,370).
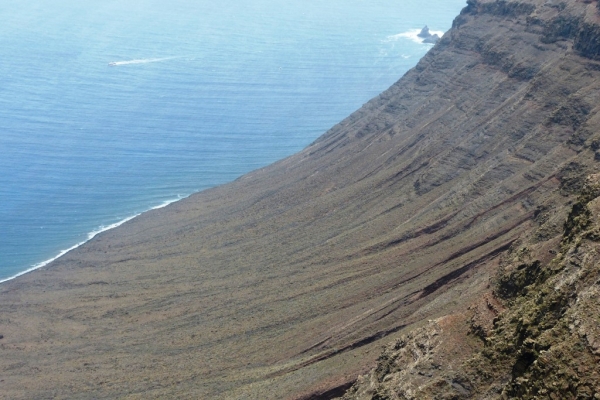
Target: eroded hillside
(287,282)
(535,335)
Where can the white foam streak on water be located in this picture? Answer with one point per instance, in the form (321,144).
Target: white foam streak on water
(413,35)
(90,236)
(140,61)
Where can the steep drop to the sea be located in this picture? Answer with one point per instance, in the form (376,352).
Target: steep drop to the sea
(287,282)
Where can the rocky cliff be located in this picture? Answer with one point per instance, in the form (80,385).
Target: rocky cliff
(287,282)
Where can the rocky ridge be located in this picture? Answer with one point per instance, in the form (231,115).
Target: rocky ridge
(286,282)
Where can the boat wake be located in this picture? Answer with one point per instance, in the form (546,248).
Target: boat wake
(139,61)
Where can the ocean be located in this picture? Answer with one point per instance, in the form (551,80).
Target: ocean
(111,108)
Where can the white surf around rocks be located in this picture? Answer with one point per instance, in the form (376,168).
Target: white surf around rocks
(413,35)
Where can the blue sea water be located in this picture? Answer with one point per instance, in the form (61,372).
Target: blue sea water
(109,108)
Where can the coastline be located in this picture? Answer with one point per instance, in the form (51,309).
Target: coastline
(275,285)
(410,35)
(90,236)
(22,267)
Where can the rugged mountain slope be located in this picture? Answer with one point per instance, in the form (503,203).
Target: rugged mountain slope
(286,282)
(544,345)
(535,333)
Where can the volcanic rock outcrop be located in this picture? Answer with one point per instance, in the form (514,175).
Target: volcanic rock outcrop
(427,36)
(287,282)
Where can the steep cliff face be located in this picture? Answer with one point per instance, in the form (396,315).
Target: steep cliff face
(285,283)
(534,333)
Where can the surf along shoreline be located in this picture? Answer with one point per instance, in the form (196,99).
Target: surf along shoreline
(90,236)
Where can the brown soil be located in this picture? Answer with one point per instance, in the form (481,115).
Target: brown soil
(287,282)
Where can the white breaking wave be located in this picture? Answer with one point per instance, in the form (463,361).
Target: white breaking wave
(140,61)
(413,35)
(90,236)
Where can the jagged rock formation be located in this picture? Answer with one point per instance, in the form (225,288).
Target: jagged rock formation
(427,36)
(433,39)
(424,32)
(286,282)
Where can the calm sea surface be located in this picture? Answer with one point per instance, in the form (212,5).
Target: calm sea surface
(109,108)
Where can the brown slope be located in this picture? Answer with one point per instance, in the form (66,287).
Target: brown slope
(287,281)
(534,335)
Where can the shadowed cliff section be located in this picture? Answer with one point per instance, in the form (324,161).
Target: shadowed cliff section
(286,282)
